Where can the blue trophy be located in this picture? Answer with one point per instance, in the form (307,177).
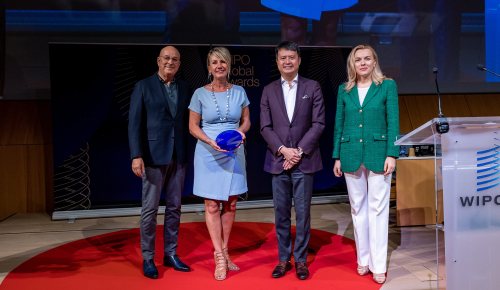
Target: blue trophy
(229,140)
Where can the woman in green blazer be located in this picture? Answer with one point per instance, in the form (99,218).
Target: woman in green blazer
(366,126)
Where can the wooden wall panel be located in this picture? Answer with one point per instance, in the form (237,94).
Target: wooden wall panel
(25,122)
(484,104)
(36,178)
(49,182)
(455,106)
(25,142)
(13,180)
(23,179)
(421,108)
(405,125)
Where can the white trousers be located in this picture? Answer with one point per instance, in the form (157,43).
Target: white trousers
(369,194)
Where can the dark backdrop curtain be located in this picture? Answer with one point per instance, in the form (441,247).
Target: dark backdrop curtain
(2,45)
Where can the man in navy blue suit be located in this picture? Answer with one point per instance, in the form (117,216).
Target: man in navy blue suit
(157,134)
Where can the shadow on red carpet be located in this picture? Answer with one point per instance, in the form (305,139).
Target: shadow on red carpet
(113,261)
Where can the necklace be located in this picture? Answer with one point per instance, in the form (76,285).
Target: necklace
(217,105)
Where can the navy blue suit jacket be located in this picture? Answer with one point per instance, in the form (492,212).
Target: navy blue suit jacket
(153,132)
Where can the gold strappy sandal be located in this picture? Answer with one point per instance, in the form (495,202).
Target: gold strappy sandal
(230,265)
(220,266)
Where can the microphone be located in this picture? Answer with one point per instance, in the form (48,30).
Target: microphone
(442,125)
(483,68)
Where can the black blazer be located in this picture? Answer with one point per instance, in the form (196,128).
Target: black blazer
(153,132)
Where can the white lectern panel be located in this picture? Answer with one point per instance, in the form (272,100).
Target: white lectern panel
(471,187)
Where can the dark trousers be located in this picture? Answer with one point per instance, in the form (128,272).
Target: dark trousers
(172,178)
(297,186)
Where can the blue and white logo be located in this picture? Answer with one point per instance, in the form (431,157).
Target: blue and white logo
(488,168)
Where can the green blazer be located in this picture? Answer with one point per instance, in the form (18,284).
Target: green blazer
(365,134)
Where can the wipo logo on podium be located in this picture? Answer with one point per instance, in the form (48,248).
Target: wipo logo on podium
(488,168)
(487,178)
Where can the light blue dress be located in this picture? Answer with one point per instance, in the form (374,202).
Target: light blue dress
(218,175)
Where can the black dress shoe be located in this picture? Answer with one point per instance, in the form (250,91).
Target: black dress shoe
(301,270)
(149,269)
(281,269)
(176,263)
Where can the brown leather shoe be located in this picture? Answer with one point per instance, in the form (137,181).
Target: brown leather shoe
(281,269)
(301,270)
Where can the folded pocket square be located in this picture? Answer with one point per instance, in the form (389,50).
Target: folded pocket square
(305,97)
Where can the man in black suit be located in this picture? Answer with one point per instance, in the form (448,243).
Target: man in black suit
(157,133)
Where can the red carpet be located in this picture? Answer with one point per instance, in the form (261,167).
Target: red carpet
(113,261)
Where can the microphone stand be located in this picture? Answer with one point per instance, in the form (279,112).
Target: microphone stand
(483,68)
(442,125)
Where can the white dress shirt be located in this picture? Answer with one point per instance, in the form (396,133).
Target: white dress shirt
(290,94)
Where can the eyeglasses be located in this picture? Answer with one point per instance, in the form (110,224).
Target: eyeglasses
(167,58)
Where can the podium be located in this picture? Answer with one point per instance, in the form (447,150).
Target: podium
(467,169)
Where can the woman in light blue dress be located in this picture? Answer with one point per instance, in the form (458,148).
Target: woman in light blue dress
(219,175)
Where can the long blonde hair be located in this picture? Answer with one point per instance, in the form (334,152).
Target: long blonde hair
(377,75)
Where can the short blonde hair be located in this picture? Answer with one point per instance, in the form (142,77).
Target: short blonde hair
(377,75)
(220,52)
